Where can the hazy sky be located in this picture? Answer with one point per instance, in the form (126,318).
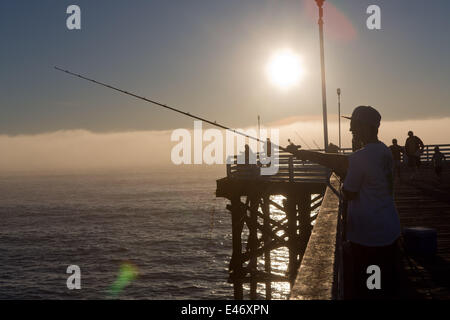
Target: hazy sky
(81,150)
(209,57)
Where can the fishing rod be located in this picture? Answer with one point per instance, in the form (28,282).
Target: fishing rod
(303,140)
(214,123)
(317,146)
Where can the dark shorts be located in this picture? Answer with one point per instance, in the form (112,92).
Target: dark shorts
(358,258)
(438,170)
(413,161)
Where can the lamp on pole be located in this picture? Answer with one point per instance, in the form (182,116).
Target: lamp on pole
(339,115)
(322,62)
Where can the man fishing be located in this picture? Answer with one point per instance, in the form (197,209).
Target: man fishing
(372,226)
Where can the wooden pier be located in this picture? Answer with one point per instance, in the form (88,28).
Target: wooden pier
(302,184)
(315,268)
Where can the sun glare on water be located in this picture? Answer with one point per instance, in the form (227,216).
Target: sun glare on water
(285,69)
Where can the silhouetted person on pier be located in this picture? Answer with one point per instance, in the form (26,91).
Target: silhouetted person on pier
(267,151)
(268,148)
(247,162)
(372,223)
(397,152)
(438,161)
(292,147)
(247,154)
(413,149)
(332,148)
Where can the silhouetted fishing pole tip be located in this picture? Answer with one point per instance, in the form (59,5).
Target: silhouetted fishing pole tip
(162,105)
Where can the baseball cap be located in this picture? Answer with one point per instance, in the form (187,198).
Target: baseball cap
(367,115)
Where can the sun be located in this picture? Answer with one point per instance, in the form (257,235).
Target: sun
(285,69)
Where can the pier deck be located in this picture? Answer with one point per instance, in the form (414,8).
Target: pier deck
(315,253)
(425,202)
(255,233)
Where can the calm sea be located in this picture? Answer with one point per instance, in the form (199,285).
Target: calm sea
(167,224)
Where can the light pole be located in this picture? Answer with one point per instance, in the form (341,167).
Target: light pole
(322,62)
(339,115)
(259,137)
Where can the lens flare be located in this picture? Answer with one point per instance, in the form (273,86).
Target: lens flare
(127,273)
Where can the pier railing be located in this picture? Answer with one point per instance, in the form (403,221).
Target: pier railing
(288,168)
(320,274)
(428,151)
(427,154)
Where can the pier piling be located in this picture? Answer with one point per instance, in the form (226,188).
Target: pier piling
(255,226)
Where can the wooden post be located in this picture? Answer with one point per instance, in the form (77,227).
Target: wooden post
(291,213)
(291,169)
(253,243)
(304,219)
(266,239)
(236,222)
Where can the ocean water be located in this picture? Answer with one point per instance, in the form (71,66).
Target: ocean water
(168,225)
